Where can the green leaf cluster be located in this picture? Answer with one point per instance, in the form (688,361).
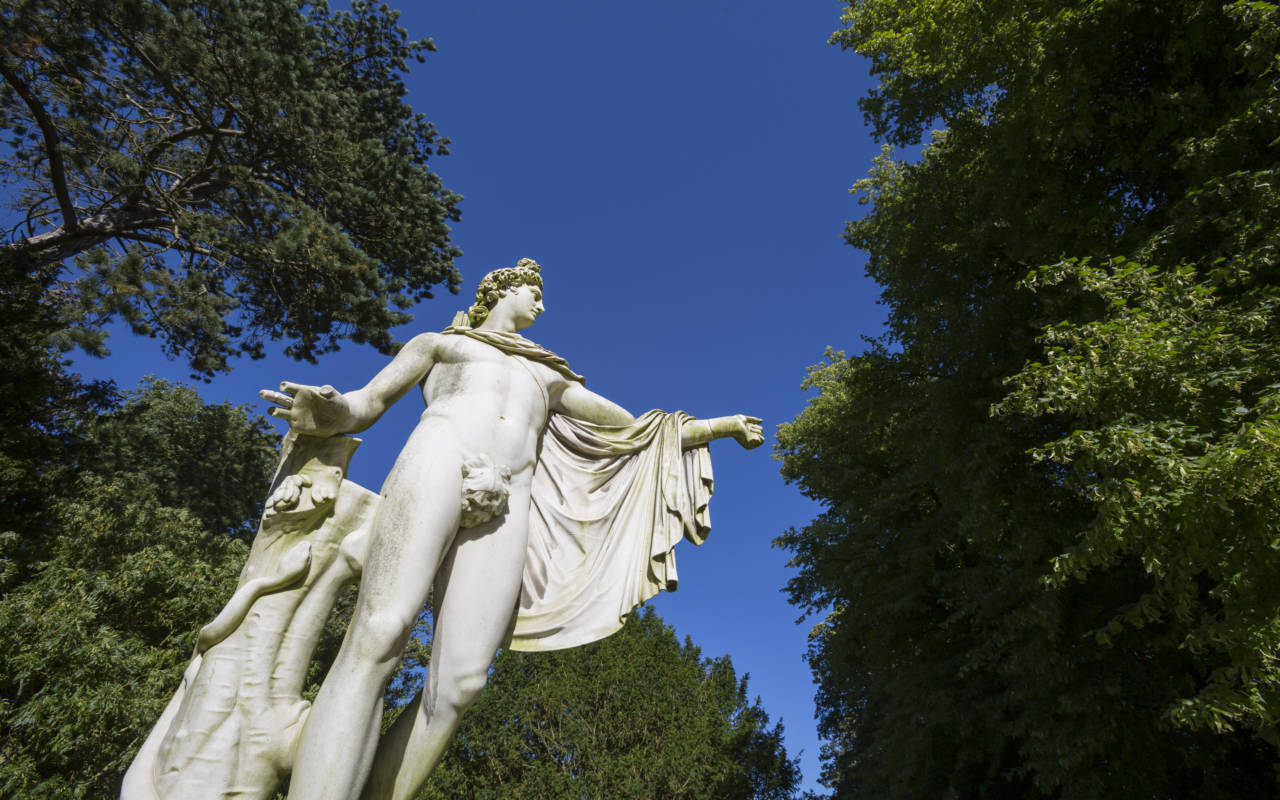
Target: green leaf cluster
(1046,564)
(42,411)
(143,541)
(219,174)
(1174,389)
(124,522)
(637,715)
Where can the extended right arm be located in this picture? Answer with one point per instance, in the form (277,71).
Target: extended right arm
(405,371)
(323,411)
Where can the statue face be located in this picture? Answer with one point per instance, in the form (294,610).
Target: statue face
(526,304)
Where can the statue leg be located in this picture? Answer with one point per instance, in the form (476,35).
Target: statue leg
(476,593)
(415,524)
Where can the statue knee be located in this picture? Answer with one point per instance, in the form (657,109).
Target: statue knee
(380,637)
(462,690)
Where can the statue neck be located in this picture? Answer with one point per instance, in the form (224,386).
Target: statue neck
(499,321)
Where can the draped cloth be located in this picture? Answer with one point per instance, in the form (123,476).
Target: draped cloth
(513,344)
(609,504)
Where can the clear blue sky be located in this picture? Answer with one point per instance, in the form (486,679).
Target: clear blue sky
(680,168)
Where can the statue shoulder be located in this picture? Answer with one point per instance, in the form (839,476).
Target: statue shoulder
(454,346)
(428,343)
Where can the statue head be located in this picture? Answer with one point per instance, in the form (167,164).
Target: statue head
(493,286)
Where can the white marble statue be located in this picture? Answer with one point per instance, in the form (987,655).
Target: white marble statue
(541,513)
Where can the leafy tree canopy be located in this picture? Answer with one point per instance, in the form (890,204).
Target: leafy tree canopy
(42,408)
(140,545)
(1046,567)
(635,716)
(221,173)
(1178,451)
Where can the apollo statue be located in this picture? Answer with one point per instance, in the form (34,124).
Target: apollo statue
(533,512)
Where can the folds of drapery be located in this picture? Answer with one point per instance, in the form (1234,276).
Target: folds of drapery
(609,505)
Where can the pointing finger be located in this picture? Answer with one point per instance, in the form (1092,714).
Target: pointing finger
(276,397)
(291,388)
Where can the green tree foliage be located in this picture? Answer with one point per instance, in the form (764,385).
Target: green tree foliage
(41,409)
(636,715)
(221,173)
(142,543)
(1046,567)
(1175,389)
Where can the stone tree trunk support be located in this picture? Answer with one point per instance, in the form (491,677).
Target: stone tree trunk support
(232,726)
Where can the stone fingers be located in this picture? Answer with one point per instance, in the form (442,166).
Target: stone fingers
(285,414)
(276,397)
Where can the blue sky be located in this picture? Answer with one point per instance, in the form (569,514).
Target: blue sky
(680,168)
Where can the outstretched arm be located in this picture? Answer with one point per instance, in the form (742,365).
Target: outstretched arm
(324,411)
(581,403)
(746,430)
(577,401)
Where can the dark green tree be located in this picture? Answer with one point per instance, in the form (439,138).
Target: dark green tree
(42,408)
(221,173)
(1046,567)
(143,543)
(635,716)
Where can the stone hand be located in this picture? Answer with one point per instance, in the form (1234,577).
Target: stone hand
(747,431)
(313,410)
(289,493)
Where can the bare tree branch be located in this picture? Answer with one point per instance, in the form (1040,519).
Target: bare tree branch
(169,244)
(177,136)
(57,171)
(51,247)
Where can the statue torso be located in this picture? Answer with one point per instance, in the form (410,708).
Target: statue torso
(496,403)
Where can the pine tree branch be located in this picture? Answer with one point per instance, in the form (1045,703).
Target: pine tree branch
(57,170)
(53,246)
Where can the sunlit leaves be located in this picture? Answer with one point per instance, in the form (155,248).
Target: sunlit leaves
(1176,392)
(139,550)
(1071,596)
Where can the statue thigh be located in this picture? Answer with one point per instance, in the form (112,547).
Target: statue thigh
(413,531)
(476,592)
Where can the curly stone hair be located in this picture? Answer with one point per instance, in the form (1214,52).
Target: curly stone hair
(526,272)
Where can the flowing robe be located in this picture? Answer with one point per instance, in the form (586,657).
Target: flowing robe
(609,504)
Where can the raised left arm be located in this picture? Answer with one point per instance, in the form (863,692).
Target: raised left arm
(746,430)
(579,402)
